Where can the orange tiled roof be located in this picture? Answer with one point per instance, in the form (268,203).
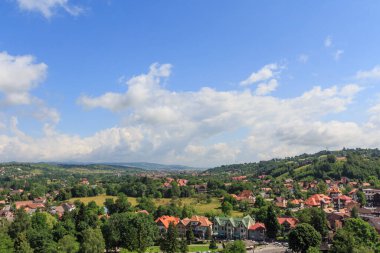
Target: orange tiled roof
(316,200)
(166,220)
(203,221)
(28,204)
(292,221)
(257,225)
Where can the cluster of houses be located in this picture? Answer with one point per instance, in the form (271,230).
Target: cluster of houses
(223,228)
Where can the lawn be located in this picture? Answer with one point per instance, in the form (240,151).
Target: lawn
(201,208)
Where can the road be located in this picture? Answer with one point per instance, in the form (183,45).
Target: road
(269,249)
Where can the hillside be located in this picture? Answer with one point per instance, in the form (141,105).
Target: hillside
(351,163)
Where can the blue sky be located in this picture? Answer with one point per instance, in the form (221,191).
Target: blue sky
(195,82)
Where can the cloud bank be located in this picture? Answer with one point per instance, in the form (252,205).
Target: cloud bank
(203,128)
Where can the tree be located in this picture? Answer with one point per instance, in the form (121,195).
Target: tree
(208,235)
(361,198)
(363,232)
(319,221)
(184,248)
(313,250)
(271,223)
(235,247)
(68,244)
(146,204)
(20,224)
(6,243)
(354,212)
(190,236)
(226,208)
(134,232)
(93,241)
(169,242)
(21,244)
(260,202)
(344,242)
(303,237)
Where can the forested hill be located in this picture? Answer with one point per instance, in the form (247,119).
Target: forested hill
(351,163)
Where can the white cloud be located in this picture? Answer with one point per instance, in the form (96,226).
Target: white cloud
(373,73)
(48,7)
(265,73)
(328,41)
(338,54)
(202,128)
(266,88)
(19,75)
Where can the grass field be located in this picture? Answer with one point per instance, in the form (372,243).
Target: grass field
(201,208)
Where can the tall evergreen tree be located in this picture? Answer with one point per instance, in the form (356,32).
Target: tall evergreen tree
(169,243)
(271,223)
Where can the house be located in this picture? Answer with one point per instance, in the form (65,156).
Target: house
(257,232)
(163,222)
(40,200)
(239,178)
(335,220)
(232,228)
(334,192)
(7,215)
(280,202)
(197,224)
(28,204)
(200,188)
(341,201)
(353,194)
(297,203)
(318,200)
(372,196)
(245,195)
(287,223)
(84,181)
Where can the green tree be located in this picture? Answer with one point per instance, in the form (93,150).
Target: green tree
(93,241)
(20,224)
(184,248)
(361,198)
(303,237)
(271,223)
(169,242)
(68,244)
(344,242)
(260,202)
(313,250)
(134,232)
(354,212)
(146,204)
(21,244)
(226,208)
(6,243)
(190,236)
(235,247)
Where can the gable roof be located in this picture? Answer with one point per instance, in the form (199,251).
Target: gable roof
(291,221)
(166,220)
(247,221)
(257,226)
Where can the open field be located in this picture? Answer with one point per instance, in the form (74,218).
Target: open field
(201,208)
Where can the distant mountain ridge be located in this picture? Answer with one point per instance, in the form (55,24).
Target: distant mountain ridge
(155,166)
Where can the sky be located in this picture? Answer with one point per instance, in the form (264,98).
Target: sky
(193,82)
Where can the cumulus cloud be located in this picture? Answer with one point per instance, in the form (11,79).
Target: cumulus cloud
(373,73)
(265,73)
(48,7)
(19,75)
(206,127)
(266,88)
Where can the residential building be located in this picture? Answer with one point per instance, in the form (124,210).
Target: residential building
(232,228)
(257,232)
